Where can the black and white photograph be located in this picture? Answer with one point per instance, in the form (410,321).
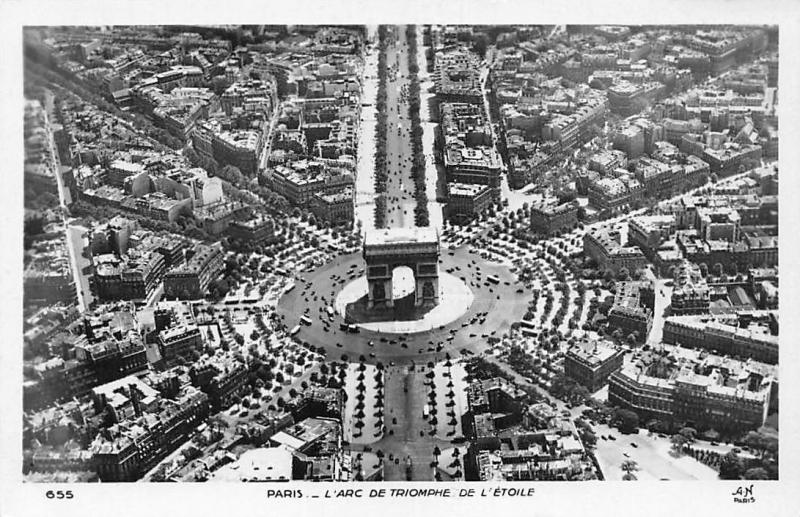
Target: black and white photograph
(412,260)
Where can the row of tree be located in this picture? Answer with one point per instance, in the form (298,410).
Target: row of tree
(421,215)
(381,174)
(380,211)
(565,388)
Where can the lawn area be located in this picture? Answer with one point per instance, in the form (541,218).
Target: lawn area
(449,408)
(363,420)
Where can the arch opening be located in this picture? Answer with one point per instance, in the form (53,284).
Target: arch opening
(403,282)
(404,290)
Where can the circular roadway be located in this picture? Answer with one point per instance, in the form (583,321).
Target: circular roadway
(491,313)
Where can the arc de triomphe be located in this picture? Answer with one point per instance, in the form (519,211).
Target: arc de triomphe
(386,249)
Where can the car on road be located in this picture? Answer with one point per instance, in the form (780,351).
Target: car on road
(371,343)
(634,445)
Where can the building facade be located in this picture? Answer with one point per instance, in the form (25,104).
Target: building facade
(590,363)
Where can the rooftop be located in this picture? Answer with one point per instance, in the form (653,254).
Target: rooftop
(263,464)
(465,189)
(425,235)
(593,352)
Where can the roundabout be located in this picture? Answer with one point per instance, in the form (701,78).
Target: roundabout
(473,310)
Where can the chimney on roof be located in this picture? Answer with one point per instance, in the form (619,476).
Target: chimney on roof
(134,396)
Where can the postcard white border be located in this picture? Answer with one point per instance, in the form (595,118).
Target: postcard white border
(578,498)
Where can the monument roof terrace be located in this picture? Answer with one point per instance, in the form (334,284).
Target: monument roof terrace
(401,241)
(426,235)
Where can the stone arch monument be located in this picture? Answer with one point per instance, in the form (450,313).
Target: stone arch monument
(386,249)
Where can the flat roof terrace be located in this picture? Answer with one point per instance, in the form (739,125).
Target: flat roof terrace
(401,236)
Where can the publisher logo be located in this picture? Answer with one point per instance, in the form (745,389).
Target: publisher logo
(743,494)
